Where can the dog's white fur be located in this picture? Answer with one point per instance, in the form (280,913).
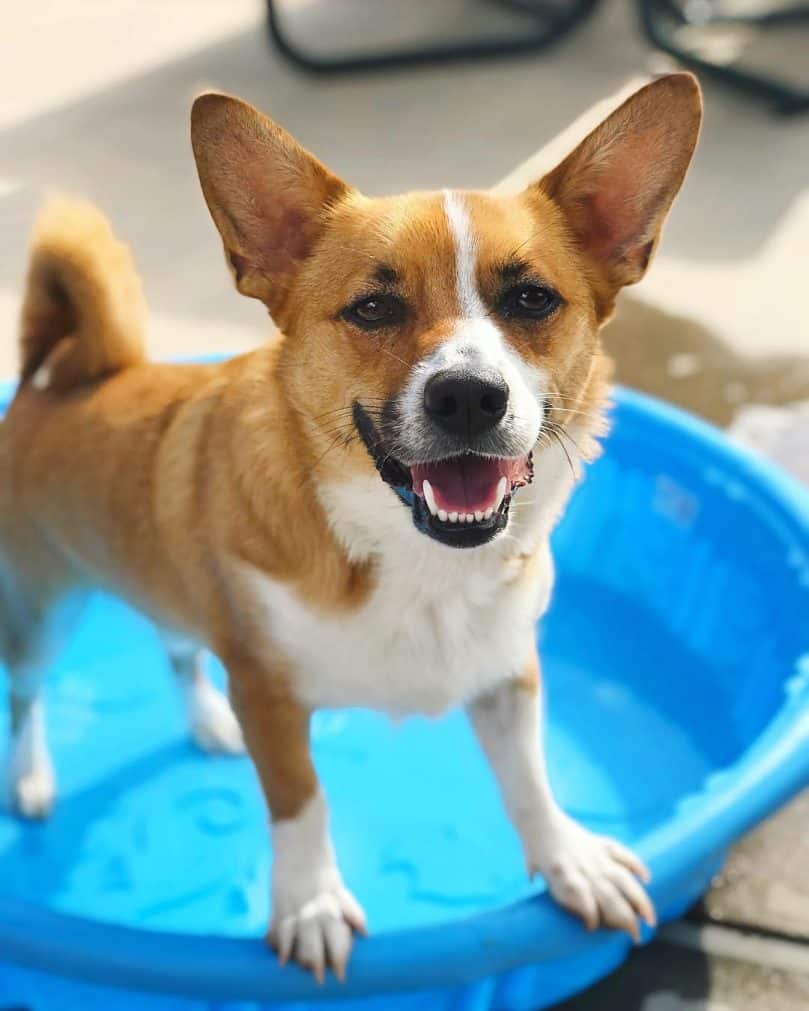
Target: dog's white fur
(436,632)
(313,912)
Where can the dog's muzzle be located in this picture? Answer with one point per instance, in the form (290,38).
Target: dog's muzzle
(461,499)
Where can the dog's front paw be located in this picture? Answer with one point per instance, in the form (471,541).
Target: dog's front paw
(317,933)
(595,878)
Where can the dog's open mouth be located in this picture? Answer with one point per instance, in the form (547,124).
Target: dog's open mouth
(462,501)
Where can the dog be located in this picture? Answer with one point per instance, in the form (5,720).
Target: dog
(357,513)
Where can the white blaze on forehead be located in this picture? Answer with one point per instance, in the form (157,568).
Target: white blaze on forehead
(476,341)
(460,225)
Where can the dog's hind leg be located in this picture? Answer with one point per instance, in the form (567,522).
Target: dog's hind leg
(213,725)
(30,637)
(31,780)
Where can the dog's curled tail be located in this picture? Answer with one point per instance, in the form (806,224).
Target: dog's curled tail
(83,312)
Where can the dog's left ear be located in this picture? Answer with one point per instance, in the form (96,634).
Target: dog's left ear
(268,196)
(615,189)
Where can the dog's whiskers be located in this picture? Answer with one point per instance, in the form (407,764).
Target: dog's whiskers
(334,445)
(559,431)
(348,408)
(556,435)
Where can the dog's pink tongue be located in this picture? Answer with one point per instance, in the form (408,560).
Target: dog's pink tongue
(468,484)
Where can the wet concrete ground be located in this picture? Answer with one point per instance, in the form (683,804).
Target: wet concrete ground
(679,359)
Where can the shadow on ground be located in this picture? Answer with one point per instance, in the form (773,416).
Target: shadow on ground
(465,124)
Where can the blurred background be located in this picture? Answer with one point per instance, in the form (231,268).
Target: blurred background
(95,101)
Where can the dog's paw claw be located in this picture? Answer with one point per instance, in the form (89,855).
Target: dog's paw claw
(597,879)
(319,934)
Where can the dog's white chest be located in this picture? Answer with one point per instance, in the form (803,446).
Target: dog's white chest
(436,631)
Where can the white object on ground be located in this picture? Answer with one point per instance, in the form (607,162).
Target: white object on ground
(780,433)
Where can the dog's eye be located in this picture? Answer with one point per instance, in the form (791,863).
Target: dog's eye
(375,311)
(529,301)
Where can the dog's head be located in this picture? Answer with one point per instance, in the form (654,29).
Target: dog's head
(443,338)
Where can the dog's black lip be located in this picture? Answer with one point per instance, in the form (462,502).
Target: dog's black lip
(390,470)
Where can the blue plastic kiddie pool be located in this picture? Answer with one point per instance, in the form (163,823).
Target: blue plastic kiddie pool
(676,656)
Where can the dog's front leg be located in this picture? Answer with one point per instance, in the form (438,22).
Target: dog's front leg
(592,876)
(313,913)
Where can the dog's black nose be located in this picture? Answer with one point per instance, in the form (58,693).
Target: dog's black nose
(466,403)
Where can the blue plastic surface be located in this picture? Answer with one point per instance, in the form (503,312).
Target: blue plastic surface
(676,656)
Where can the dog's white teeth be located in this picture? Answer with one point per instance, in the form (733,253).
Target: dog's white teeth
(445,517)
(501,492)
(429,497)
(460,517)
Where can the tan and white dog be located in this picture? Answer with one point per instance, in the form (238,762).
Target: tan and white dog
(358,513)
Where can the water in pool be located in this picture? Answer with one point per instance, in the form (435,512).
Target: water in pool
(148,832)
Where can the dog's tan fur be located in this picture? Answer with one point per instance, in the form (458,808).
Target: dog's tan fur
(162,482)
(77,262)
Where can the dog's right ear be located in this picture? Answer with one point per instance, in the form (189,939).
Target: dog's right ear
(267,195)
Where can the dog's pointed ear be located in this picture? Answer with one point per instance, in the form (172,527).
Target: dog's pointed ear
(268,197)
(615,189)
